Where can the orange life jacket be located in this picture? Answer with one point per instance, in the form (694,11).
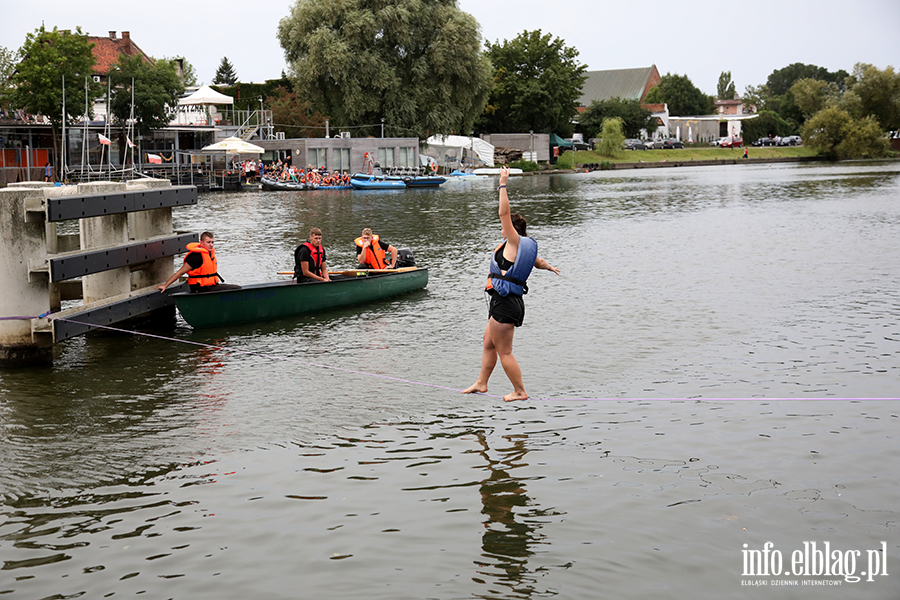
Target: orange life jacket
(316,253)
(373,256)
(207,274)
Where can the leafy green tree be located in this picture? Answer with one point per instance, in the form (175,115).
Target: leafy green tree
(7,68)
(781,80)
(756,97)
(877,93)
(537,83)
(634,118)
(834,133)
(295,117)
(416,64)
(47,57)
(157,88)
(187,70)
(225,74)
(812,95)
(682,97)
(612,138)
(768,123)
(725,89)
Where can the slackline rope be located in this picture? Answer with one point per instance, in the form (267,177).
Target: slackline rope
(410,381)
(270,356)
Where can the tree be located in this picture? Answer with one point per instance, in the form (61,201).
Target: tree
(188,72)
(225,74)
(876,93)
(725,89)
(47,57)
(834,133)
(157,88)
(781,80)
(756,97)
(813,95)
(415,64)
(7,68)
(634,118)
(537,83)
(768,123)
(612,138)
(682,97)
(293,116)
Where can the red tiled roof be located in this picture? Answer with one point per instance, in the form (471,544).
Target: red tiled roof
(108,49)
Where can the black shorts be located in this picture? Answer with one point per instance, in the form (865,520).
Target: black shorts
(507,309)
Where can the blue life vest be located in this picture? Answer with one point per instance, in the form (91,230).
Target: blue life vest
(514,280)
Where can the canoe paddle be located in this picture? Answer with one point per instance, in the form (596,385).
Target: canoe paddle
(360,271)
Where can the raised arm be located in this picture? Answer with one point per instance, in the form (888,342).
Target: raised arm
(540,263)
(508,231)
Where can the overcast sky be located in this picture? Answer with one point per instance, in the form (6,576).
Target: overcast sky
(697,39)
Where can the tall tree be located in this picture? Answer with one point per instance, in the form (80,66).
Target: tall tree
(537,83)
(812,95)
(725,88)
(682,96)
(188,72)
(781,80)
(225,74)
(834,133)
(47,57)
(634,118)
(293,116)
(416,64)
(876,93)
(157,88)
(7,68)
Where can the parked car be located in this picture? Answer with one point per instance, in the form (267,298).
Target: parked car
(764,141)
(653,144)
(633,144)
(716,142)
(731,142)
(670,143)
(790,140)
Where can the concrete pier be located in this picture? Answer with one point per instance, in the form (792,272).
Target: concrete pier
(123,249)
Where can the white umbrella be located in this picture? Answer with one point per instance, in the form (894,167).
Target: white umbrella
(234,145)
(678,132)
(690,135)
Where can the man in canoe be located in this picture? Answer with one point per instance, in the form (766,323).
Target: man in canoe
(511,264)
(309,259)
(201,267)
(371,252)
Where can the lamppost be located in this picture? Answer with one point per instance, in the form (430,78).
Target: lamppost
(382,127)
(531,133)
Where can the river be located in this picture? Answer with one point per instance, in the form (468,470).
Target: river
(715,368)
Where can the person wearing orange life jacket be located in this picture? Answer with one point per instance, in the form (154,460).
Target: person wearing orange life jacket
(201,267)
(371,252)
(511,264)
(309,259)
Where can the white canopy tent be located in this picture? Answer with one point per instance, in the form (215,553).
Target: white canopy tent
(199,107)
(206,95)
(451,150)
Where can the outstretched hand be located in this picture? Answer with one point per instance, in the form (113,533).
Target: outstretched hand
(504,175)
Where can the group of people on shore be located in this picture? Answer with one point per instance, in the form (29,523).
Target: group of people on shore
(511,264)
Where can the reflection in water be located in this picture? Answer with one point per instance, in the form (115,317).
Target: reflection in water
(510,530)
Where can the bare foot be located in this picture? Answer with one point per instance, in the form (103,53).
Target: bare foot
(475,388)
(515,396)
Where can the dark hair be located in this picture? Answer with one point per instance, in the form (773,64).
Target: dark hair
(518,222)
(207,235)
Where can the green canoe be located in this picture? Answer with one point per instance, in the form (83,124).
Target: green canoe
(287,298)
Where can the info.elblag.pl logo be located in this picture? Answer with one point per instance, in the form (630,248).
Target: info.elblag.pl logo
(814,560)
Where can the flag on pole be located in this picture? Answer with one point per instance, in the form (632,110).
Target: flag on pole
(130,143)
(103,139)
(154,159)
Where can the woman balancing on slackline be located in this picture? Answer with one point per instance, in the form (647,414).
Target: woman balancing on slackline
(511,263)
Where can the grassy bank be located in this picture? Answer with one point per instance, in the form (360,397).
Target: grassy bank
(686,154)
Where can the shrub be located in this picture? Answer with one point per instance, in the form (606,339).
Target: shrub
(527,166)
